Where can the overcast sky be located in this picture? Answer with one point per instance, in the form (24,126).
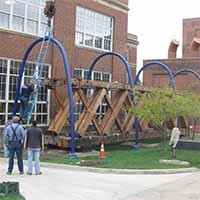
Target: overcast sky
(157,22)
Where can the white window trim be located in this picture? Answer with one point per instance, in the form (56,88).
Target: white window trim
(7,101)
(85,32)
(48,99)
(10,27)
(7,87)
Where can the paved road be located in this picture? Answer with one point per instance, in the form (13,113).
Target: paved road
(62,184)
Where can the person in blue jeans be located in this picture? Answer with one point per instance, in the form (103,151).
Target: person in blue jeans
(34,144)
(14,140)
(26,92)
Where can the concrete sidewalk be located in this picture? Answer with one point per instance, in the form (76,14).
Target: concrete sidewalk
(67,182)
(186,188)
(113,171)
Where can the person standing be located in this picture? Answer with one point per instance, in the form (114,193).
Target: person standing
(26,92)
(175,135)
(34,144)
(14,139)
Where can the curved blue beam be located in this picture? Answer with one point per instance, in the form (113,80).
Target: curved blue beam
(131,82)
(21,71)
(161,65)
(181,71)
(137,78)
(69,85)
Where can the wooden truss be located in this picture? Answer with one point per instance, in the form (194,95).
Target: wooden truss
(117,103)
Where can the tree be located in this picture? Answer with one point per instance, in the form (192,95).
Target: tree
(158,106)
(190,108)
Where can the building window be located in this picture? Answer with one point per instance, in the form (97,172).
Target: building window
(78,73)
(32,19)
(3,72)
(93,29)
(4,14)
(23,15)
(9,71)
(106,77)
(97,76)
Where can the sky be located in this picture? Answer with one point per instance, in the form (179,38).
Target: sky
(157,22)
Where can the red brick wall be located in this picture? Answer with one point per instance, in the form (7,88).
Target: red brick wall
(13,44)
(132,55)
(65,33)
(157,77)
(191,29)
(80,56)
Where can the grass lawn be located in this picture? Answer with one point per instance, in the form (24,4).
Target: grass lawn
(124,157)
(12,197)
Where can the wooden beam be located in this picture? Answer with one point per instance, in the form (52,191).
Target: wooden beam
(87,116)
(58,99)
(61,117)
(86,106)
(128,122)
(82,83)
(99,84)
(112,115)
(116,119)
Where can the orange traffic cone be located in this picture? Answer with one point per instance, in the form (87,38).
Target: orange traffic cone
(102,152)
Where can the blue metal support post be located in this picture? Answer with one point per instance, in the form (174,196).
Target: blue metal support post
(69,87)
(130,78)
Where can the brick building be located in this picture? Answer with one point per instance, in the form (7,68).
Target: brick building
(85,28)
(157,77)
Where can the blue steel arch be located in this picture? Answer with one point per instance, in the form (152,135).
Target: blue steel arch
(69,85)
(130,78)
(181,71)
(131,82)
(165,67)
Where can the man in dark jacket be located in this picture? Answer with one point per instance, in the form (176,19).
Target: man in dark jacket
(26,92)
(14,139)
(34,144)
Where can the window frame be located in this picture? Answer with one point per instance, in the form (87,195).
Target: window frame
(39,21)
(100,19)
(10,101)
